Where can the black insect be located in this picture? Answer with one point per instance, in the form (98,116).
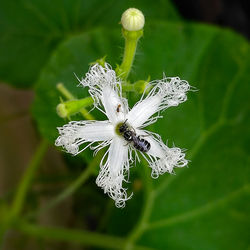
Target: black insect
(130,136)
(141,144)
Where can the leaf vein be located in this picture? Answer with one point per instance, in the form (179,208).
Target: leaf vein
(198,211)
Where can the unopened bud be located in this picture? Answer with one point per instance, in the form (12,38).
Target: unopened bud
(133,19)
(66,109)
(62,110)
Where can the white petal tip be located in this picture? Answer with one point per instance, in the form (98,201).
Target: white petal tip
(174,158)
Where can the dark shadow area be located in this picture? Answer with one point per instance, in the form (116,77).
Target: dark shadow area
(227,13)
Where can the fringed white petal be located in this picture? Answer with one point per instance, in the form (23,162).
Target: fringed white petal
(98,77)
(76,133)
(105,89)
(170,91)
(116,107)
(139,115)
(114,168)
(160,157)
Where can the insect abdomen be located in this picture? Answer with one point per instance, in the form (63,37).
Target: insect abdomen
(141,144)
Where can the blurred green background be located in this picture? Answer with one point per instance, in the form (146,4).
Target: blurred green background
(205,206)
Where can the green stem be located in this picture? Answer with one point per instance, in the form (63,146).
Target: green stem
(74,236)
(131,39)
(68,191)
(72,187)
(10,215)
(25,183)
(64,92)
(86,114)
(144,217)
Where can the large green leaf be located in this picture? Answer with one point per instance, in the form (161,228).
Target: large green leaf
(203,206)
(31,29)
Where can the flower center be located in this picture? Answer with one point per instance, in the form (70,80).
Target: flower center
(118,128)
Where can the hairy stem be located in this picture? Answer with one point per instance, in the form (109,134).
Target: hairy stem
(131,39)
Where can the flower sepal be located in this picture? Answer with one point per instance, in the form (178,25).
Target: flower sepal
(100,61)
(142,85)
(138,87)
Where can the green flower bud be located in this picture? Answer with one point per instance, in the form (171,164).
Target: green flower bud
(66,109)
(132,20)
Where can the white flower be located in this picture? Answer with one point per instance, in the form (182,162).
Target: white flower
(106,90)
